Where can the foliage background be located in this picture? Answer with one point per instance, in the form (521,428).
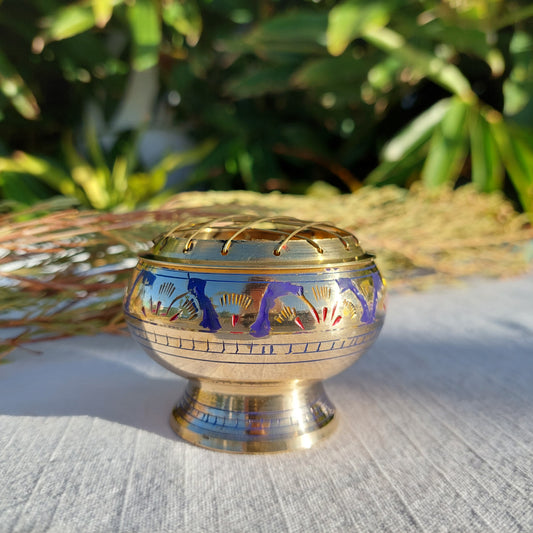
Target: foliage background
(105,100)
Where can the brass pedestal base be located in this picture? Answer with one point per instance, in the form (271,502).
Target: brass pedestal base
(253,418)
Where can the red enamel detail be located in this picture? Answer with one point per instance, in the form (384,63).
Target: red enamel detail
(299,323)
(158,306)
(234,319)
(173,317)
(333,312)
(324,314)
(143,310)
(337,320)
(315,314)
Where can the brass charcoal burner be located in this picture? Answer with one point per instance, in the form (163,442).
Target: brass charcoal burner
(255,313)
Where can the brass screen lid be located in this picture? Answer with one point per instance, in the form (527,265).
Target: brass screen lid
(247,240)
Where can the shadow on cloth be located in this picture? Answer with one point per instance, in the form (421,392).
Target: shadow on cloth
(99,377)
(111,378)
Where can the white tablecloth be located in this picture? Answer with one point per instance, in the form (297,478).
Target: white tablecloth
(435,434)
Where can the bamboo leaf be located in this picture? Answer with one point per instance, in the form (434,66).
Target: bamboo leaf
(146,33)
(447,148)
(416,133)
(487,168)
(17,92)
(351,19)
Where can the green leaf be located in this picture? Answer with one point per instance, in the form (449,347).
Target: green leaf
(404,154)
(517,96)
(294,32)
(91,139)
(351,19)
(185,17)
(143,186)
(267,79)
(515,14)
(119,179)
(94,182)
(421,62)
(472,41)
(416,133)
(382,76)
(398,172)
(102,10)
(518,87)
(447,148)
(74,19)
(48,173)
(64,23)
(146,33)
(515,145)
(327,72)
(187,157)
(14,88)
(487,168)
(245,162)
(23,188)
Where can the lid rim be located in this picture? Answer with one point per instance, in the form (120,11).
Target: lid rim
(245,242)
(266,268)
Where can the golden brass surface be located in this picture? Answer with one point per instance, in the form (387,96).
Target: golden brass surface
(255,313)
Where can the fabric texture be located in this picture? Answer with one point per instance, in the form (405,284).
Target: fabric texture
(435,434)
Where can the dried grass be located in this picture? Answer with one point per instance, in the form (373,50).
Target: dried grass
(63,271)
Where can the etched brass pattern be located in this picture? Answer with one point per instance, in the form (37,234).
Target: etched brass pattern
(350,308)
(287,313)
(321,293)
(241,300)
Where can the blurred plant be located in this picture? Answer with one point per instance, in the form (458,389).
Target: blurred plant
(444,87)
(99,185)
(437,143)
(291,91)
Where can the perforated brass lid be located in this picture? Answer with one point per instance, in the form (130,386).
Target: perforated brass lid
(249,241)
